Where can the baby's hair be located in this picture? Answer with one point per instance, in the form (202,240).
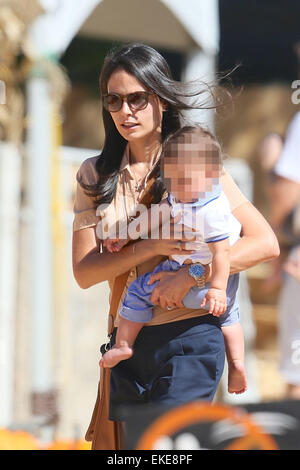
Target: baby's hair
(186,134)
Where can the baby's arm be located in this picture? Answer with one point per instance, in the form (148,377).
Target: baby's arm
(216,295)
(147,223)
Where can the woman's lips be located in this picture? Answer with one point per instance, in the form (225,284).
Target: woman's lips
(130,125)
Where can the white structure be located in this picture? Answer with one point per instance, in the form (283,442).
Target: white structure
(10,166)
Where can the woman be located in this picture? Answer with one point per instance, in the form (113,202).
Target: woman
(180,354)
(285,219)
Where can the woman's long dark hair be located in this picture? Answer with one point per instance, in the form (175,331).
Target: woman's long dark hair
(152,70)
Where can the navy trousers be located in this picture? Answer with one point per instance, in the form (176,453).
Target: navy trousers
(172,364)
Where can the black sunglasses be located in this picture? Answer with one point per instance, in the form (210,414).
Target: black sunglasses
(136,101)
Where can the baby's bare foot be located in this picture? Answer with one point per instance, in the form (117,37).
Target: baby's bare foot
(237,379)
(112,357)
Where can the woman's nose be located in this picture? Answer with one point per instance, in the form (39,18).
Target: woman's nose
(125,108)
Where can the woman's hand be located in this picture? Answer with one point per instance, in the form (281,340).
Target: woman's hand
(172,287)
(165,247)
(172,238)
(114,245)
(173,229)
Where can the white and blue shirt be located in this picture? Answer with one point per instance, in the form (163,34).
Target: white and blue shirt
(213,221)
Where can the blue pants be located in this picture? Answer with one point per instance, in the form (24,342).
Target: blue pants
(172,364)
(137,306)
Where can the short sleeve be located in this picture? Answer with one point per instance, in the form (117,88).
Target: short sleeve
(234,195)
(216,221)
(84,208)
(288,165)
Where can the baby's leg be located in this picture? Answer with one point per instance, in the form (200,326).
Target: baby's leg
(126,335)
(234,344)
(136,310)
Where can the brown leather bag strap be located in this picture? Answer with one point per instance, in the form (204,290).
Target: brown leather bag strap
(120,281)
(107,434)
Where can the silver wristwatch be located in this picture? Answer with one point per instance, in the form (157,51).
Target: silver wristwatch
(197,271)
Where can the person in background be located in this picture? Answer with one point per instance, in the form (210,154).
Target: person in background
(269,150)
(268,153)
(285,220)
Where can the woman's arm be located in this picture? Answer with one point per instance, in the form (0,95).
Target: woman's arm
(258,243)
(91,267)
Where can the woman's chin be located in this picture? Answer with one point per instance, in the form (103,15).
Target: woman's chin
(127,132)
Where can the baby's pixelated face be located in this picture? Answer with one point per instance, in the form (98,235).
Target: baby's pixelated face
(191,169)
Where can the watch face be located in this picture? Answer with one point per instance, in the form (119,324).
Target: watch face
(197,270)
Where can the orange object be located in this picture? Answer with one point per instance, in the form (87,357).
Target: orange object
(69,445)
(195,412)
(17,440)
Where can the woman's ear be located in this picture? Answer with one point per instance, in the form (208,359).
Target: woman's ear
(164,104)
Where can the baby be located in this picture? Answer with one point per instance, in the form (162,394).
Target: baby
(191,165)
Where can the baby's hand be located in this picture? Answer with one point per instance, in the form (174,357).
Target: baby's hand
(217,301)
(115,244)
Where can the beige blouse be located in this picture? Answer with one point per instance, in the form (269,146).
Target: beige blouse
(125,200)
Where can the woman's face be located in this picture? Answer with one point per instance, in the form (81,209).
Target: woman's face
(135,125)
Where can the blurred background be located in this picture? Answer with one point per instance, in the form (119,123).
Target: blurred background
(51,54)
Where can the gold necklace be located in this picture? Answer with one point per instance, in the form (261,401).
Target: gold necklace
(138,182)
